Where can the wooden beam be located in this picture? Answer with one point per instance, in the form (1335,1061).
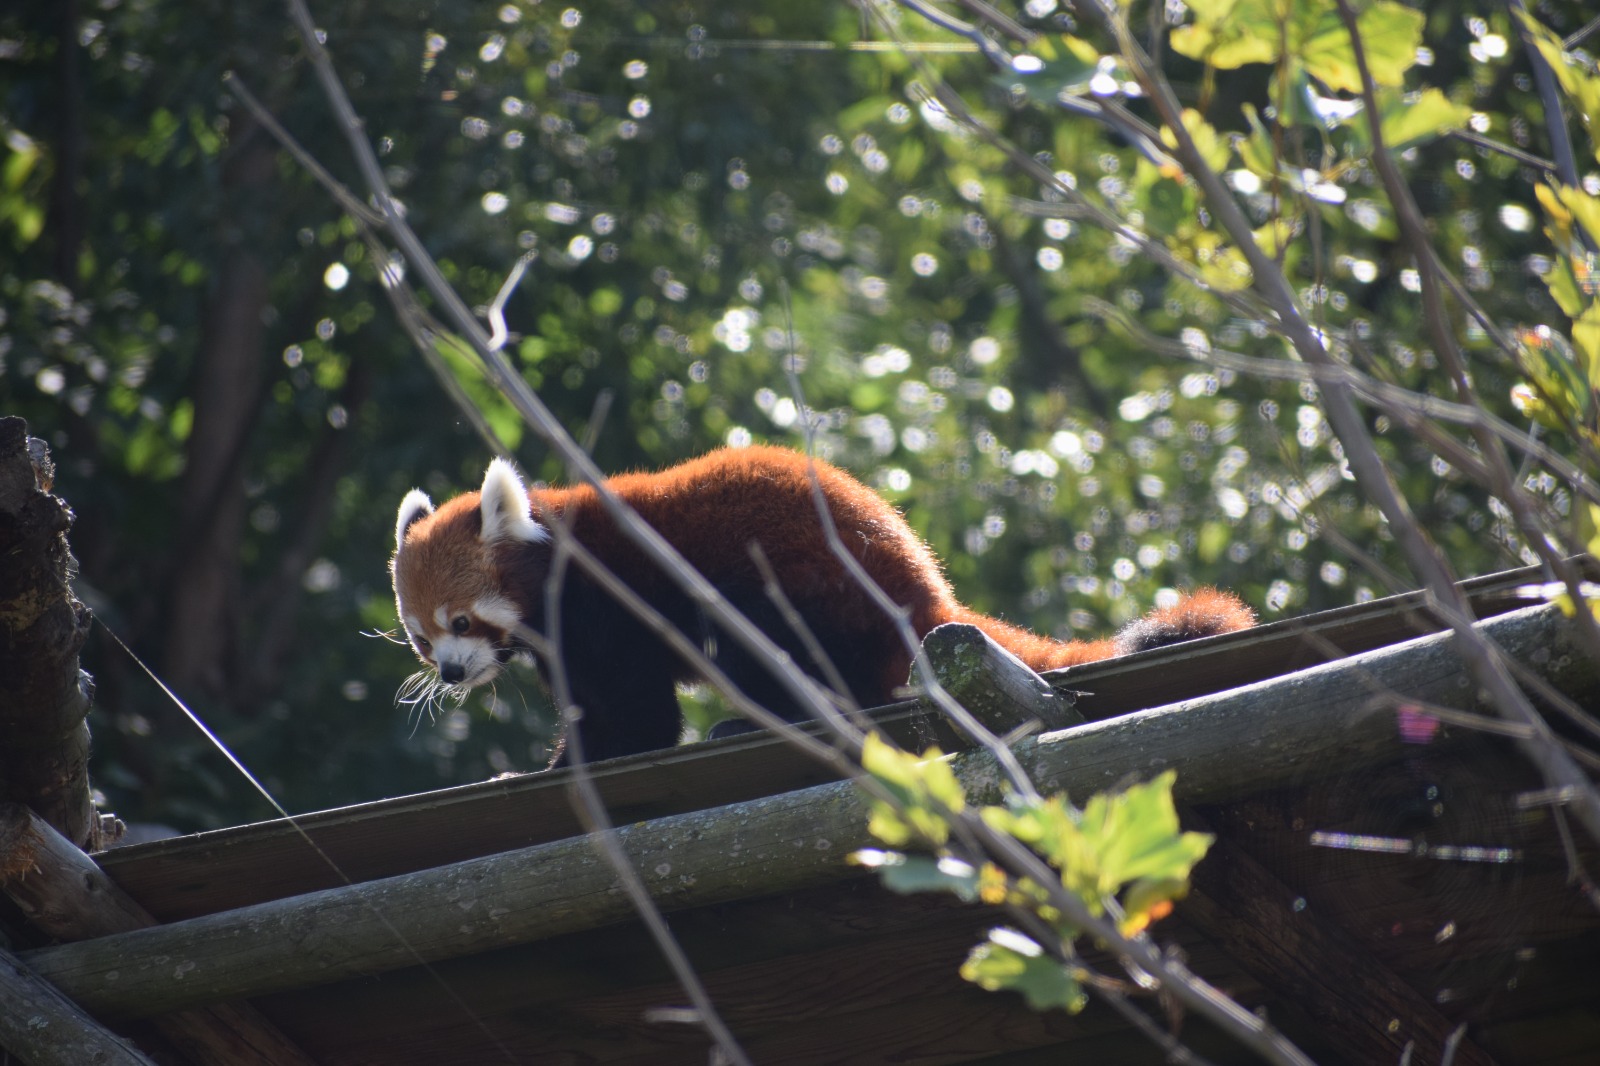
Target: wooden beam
(185,877)
(61,891)
(994,685)
(1232,744)
(41,1027)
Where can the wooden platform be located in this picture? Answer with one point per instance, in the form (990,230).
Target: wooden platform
(1363,908)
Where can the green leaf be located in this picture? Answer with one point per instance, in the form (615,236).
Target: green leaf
(1228,34)
(1068,64)
(924,873)
(1012,961)
(1213,147)
(1148,901)
(1140,836)
(1411,119)
(1585,209)
(1257,151)
(924,789)
(1586,338)
(21,156)
(1576,82)
(1389,32)
(463,366)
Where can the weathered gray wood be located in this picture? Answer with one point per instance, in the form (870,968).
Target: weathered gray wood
(57,887)
(994,685)
(61,891)
(1265,735)
(41,1027)
(187,877)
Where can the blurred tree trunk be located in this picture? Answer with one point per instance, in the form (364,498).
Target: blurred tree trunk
(204,581)
(66,214)
(44,696)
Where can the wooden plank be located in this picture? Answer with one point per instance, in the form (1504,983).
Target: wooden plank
(822,1003)
(64,894)
(190,876)
(1225,746)
(539,1000)
(1364,1008)
(1166,675)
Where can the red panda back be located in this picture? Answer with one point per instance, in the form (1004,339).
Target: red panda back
(712,508)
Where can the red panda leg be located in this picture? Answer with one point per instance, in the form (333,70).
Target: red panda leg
(626,709)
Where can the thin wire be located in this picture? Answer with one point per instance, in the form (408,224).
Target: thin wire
(323,855)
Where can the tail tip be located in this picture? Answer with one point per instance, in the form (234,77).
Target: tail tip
(1203,613)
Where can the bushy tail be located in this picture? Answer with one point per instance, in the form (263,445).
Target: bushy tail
(1203,613)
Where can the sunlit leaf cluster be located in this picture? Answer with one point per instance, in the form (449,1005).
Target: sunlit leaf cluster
(1122,854)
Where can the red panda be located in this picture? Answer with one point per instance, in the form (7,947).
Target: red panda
(467,574)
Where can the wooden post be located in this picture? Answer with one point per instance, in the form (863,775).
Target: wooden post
(62,892)
(44,696)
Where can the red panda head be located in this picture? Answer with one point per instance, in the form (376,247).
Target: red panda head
(448,590)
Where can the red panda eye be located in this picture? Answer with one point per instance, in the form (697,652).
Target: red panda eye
(423,643)
(460,623)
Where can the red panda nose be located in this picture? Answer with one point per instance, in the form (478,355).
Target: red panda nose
(452,673)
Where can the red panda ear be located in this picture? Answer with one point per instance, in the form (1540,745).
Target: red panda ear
(504,507)
(415,507)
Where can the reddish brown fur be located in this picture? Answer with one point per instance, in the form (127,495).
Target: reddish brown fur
(711,509)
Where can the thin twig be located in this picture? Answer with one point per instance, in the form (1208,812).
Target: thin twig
(1488,667)
(590,808)
(651,544)
(1405,404)
(1544,80)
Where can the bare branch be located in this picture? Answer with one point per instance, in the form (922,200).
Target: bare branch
(590,807)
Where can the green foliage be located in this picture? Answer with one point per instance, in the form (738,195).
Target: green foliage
(713,196)
(1012,961)
(1122,853)
(1310,37)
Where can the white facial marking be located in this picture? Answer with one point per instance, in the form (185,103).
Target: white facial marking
(498,612)
(441,618)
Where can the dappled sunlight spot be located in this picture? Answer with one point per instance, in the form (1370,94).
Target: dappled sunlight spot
(1516,218)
